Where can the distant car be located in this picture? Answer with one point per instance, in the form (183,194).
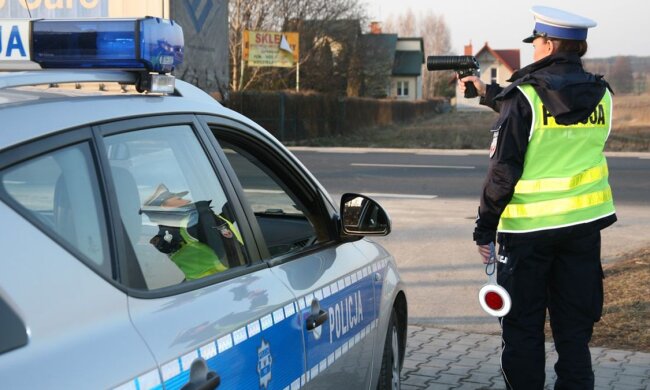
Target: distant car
(159,240)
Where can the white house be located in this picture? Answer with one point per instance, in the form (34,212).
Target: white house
(406,80)
(496,67)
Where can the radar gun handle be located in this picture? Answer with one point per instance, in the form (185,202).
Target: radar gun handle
(470,88)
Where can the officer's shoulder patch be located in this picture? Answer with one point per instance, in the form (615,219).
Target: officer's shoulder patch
(495,137)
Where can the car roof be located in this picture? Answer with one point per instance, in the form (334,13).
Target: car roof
(29,112)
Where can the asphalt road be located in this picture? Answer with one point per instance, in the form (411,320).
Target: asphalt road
(447,174)
(431,196)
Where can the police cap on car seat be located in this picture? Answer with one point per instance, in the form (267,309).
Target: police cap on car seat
(559,24)
(161,194)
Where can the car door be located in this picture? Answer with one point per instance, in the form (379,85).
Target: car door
(296,229)
(64,320)
(209,310)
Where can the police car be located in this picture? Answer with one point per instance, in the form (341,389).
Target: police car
(153,239)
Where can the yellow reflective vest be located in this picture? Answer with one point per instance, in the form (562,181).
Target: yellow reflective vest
(565,176)
(197,259)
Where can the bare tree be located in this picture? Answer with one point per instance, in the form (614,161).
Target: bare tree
(404,25)
(280,15)
(437,41)
(390,24)
(621,76)
(598,66)
(407,24)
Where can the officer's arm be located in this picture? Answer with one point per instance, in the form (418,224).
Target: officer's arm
(506,166)
(491,91)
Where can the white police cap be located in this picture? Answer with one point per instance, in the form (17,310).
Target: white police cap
(556,23)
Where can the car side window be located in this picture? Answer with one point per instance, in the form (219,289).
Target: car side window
(173,207)
(60,189)
(289,219)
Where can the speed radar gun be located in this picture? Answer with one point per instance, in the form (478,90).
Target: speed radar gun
(463,66)
(493,298)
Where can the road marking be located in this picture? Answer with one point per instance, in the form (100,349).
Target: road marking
(401,196)
(413,166)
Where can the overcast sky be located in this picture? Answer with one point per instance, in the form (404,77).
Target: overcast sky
(622,24)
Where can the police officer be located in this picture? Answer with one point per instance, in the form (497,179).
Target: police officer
(548,196)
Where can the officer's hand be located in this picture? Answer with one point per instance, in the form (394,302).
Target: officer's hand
(484,251)
(480,86)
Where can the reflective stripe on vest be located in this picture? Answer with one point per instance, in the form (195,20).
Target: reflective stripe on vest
(565,176)
(562,184)
(558,206)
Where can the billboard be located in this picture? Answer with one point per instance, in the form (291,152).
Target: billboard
(270,48)
(207,61)
(23,9)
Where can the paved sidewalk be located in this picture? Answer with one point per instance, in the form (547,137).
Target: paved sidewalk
(443,359)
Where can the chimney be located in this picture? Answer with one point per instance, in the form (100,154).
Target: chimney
(375,27)
(468,49)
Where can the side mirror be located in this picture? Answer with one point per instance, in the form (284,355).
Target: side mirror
(362,216)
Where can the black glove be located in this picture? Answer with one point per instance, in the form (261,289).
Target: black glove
(168,240)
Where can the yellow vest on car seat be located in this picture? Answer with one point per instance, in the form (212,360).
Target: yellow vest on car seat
(564,181)
(197,259)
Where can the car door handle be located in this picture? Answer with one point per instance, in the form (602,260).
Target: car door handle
(201,378)
(316,320)
(317,316)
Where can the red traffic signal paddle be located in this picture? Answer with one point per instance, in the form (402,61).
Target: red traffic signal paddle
(493,298)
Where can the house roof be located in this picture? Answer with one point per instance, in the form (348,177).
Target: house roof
(378,50)
(510,58)
(330,27)
(407,63)
(377,56)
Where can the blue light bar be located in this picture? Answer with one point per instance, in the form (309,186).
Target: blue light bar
(150,44)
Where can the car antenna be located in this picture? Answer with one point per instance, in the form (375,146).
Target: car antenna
(28,10)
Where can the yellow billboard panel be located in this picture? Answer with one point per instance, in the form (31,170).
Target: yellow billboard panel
(270,48)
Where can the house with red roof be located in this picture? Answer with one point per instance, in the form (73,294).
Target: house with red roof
(496,67)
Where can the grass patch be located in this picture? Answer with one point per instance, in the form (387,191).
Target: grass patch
(451,130)
(631,124)
(470,130)
(626,315)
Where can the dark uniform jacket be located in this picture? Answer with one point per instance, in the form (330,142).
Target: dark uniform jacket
(568,92)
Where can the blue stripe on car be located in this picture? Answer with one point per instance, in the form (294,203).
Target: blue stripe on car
(356,318)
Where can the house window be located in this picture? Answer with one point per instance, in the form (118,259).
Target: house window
(402,88)
(493,75)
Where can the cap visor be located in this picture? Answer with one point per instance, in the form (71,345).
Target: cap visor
(529,39)
(180,194)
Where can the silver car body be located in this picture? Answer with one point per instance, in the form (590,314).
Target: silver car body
(86,330)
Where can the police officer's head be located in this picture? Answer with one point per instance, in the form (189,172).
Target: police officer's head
(558,31)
